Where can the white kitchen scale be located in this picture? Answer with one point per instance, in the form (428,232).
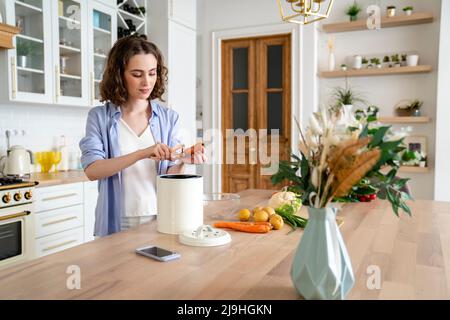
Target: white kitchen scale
(205,236)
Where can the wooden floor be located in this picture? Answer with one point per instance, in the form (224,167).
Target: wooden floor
(412,255)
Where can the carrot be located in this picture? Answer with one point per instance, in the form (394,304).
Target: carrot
(252,227)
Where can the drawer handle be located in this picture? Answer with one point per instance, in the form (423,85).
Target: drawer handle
(59,221)
(60,197)
(59,245)
(16,215)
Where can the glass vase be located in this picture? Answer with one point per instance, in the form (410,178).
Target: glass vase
(321,268)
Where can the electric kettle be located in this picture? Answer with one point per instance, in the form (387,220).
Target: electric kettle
(17,162)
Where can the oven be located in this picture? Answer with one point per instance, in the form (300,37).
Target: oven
(17,234)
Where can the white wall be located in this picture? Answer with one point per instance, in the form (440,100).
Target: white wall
(42,125)
(441,183)
(218,15)
(244,17)
(386,91)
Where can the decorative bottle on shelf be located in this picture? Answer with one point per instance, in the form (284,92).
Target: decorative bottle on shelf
(331,58)
(64,165)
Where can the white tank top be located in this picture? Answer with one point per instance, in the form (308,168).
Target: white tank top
(139,179)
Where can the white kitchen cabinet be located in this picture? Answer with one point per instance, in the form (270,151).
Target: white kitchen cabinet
(102,20)
(177,42)
(59,241)
(64,216)
(184,12)
(60,52)
(27,72)
(89,205)
(65,195)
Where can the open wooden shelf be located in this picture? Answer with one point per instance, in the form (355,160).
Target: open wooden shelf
(413,169)
(408,169)
(7,33)
(375,72)
(404,119)
(397,21)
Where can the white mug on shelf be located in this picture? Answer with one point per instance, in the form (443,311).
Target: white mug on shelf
(357,62)
(412,60)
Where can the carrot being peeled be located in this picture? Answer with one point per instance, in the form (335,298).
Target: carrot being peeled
(251,227)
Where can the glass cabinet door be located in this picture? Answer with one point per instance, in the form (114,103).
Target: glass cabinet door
(103,23)
(30,64)
(69,36)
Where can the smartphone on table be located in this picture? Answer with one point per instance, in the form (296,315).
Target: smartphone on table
(158,253)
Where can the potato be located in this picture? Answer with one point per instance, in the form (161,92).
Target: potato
(256,209)
(261,216)
(276,221)
(269,210)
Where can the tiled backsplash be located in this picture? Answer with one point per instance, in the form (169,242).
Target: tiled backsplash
(43,125)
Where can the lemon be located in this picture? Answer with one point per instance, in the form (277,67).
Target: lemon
(244,214)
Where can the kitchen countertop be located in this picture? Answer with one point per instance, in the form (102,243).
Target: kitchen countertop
(413,255)
(56,178)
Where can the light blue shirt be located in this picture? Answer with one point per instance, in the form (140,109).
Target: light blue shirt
(102,142)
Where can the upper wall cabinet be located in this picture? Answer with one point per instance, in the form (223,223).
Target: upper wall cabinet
(103,23)
(29,75)
(69,51)
(183,12)
(60,53)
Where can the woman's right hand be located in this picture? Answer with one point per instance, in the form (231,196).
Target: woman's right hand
(157,152)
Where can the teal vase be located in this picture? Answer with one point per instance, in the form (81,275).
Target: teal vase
(322,268)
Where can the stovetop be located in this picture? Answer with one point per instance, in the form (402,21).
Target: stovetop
(4,181)
(13,183)
(15,192)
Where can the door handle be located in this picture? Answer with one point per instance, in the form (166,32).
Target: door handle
(60,197)
(14,77)
(15,215)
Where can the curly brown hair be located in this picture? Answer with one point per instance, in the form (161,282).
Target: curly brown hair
(112,87)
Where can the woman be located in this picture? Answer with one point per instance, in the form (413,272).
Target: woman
(131,138)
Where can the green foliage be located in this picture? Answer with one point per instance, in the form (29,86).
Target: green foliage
(386,185)
(408,8)
(25,47)
(353,10)
(386,59)
(375,61)
(345,96)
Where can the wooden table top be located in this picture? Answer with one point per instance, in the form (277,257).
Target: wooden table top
(413,255)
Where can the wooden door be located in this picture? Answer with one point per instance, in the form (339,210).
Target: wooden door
(256,95)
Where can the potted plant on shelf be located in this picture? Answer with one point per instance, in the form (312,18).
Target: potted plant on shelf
(364,62)
(403,62)
(406,108)
(345,99)
(386,62)
(408,10)
(390,11)
(24,49)
(375,62)
(337,164)
(395,60)
(343,67)
(423,159)
(353,11)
